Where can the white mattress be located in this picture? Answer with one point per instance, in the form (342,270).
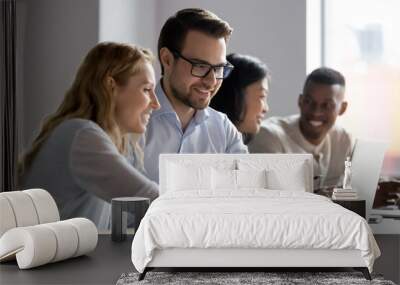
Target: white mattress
(253,218)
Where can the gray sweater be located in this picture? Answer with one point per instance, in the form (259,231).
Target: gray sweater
(82,169)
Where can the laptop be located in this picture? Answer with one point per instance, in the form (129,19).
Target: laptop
(366,164)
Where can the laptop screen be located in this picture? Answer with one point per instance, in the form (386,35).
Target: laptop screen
(367,159)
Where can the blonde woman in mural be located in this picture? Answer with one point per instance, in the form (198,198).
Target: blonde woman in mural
(86,153)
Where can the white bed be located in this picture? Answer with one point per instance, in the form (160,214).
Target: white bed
(247,210)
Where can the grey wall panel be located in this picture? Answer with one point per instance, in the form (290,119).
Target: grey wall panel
(57,34)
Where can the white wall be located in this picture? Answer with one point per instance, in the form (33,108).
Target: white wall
(57,34)
(116,21)
(133,21)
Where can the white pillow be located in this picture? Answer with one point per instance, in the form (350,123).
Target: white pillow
(282,174)
(293,180)
(182,177)
(251,178)
(223,179)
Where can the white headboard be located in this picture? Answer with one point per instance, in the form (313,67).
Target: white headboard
(232,161)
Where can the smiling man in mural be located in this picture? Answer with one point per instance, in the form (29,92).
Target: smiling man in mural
(192,54)
(314,130)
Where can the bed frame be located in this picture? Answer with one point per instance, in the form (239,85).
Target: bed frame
(247,259)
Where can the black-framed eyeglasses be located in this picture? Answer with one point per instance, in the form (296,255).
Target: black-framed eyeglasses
(202,69)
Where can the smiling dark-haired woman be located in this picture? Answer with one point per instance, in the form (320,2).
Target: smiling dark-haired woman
(243,95)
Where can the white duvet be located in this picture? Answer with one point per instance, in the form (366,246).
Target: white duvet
(250,219)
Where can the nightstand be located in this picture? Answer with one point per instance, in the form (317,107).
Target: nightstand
(120,209)
(357,206)
(388,263)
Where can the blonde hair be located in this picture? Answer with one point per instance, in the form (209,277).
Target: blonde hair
(91,94)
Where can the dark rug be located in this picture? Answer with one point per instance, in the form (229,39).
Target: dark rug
(228,278)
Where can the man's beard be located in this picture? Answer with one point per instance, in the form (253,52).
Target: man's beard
(186,99)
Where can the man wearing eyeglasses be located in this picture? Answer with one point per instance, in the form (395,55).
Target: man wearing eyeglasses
(313,131)
(192,54)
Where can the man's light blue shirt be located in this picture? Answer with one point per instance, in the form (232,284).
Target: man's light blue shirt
(209,131)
